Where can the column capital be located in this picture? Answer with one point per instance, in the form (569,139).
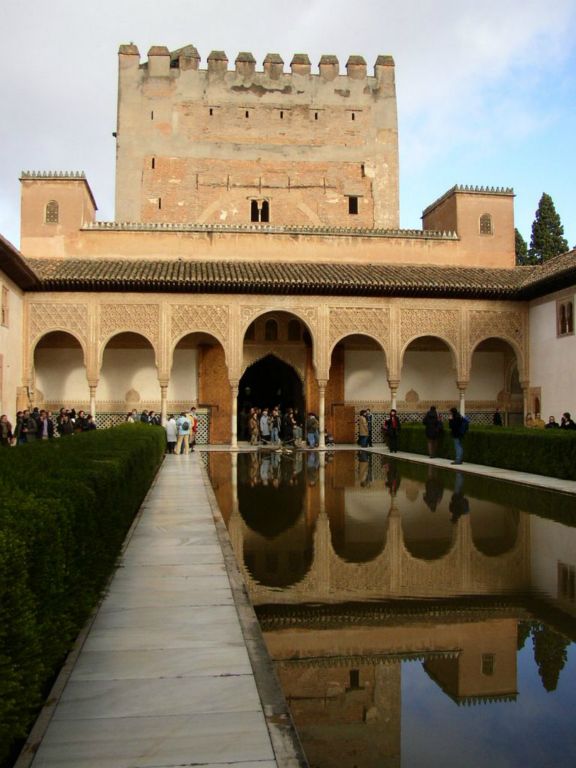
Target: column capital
(462,384)
(393,383)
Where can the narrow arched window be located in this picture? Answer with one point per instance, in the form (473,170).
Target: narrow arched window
(271,330)
(294,332)
(52,212)
(569,318)
(486,224)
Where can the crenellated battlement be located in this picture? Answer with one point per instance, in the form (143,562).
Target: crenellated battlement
(53,175)
(468,189)
(163,62)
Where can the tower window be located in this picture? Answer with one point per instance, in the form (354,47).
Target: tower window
(246,114)
(353,116)
(52,212)
(211,112)
(152,115)
(281,114)
(315,115)
(159,203)
(486,224)
(259,211)
(153,163)
(353,205)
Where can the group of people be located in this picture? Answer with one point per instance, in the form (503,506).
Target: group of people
(269,426)
(181,432)
(40,424)
(390,429)
(537,422)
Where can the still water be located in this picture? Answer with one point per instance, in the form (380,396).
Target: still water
(416,617)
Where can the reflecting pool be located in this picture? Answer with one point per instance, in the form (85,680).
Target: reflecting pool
(416,617)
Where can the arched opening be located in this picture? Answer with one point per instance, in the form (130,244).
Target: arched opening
(268,383)
(428,377)
(60,373)
(278,368)
(494,530)
(358,379)
(128,376)
(199,377)
(494,382)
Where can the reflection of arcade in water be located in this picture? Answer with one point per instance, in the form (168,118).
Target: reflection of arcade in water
(357,566)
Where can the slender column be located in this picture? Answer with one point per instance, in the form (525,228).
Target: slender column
(462,388)
(321,415)
(164,403)
(234,432)
(525,399)
(92,386)
(393,384)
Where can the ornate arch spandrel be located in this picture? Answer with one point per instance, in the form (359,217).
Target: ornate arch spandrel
(307,315)
(199,318)
(443,324)
(142,319)
(506,325)
(366,321)
(46,317)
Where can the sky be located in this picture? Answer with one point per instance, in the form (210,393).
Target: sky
(486,89)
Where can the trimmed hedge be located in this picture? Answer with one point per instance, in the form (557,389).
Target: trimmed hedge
(550,452)
(65,508)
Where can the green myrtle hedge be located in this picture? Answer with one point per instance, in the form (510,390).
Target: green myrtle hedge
(550,452)
(65,508)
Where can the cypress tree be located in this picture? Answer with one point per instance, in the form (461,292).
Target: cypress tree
(547,233)
(521,249)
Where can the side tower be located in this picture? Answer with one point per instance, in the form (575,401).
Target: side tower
(238,146)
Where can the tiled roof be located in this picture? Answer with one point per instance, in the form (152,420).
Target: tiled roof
(304,278)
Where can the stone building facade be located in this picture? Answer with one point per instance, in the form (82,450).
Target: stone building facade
(256,258)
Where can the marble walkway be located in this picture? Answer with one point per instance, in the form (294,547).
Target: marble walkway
(163,676)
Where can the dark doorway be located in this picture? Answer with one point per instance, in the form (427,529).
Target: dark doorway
(265,384)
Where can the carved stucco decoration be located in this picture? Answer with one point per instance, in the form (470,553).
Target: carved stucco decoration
(45,318)
(345,321)
(134,318)
(490,324)
(294,356)
(308,315)
(209,318)
(443,323)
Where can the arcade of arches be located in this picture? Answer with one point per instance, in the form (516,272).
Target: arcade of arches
(108,353)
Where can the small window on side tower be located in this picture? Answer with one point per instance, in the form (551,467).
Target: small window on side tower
(353,205)
(52,212)
(486,224)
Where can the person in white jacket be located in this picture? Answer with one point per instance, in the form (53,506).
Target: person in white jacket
(171,433)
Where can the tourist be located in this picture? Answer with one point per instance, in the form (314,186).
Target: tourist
(538,422)
(312,430)
(171,433)
(183,430)
(392,425)
(368,416)
(265,427)
(254,426)
(275,426)
(458,428)
(46,427)
(362,429)
(5,431)
(80,425)
(90,423)
(433,428)
(193,427)
(29,429)
(529,421)
(65,427)
(552,423)
(497,418)
(566,421)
